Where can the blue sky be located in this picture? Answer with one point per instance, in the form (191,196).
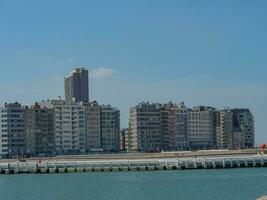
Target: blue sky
(201,52)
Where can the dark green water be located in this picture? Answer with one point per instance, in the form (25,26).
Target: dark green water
(233,184)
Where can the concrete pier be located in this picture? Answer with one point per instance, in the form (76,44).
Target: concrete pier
(15,167)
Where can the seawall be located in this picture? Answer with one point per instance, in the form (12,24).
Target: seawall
(146,164)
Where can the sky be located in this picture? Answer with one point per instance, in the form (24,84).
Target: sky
(200,52)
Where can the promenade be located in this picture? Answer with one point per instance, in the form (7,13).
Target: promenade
(136,162)
(136,156)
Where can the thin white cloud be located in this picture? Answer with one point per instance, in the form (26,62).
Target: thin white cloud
(100,72)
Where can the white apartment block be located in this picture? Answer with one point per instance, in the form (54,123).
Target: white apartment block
(69,126)
(201,127)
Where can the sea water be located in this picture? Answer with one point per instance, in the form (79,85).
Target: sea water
(233,184)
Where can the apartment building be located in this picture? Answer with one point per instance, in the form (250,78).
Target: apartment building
(77,85)
(125,139)
(224,129)
(181,127)
(69,120)
(201,127)
(92,126)
(145,127)
(110,128)
(12,130)
(168,126)
(30,133)
(243,122)
(3,133)
(40,129)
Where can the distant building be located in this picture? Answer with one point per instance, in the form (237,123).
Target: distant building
(235,129)
(12,131)
(58,127)
(125,139)
(4,133)
(40,130)
(110,129)
(171,127)
(243,122)
(181,124)
(168,126)
(224,129)
(81,127)
(145,128)
(69,123)
(93,126)
(30,133)
(202,127)
(77,85)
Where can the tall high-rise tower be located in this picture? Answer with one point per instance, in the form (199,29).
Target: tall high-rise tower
(76,85)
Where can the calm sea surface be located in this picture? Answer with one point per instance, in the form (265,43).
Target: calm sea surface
(231,184)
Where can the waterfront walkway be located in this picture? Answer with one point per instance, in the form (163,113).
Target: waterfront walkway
(71,165)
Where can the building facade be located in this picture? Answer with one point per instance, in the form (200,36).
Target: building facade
(40,126)
(224,129)
(145,128)
(202,127)
(110,129)
(69,120)
(12,130)
(93,126)
(77,85)
(125,140)
(243,122)
(84,127)
(30,133)
(181,124)
(3,133)
(168,126)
